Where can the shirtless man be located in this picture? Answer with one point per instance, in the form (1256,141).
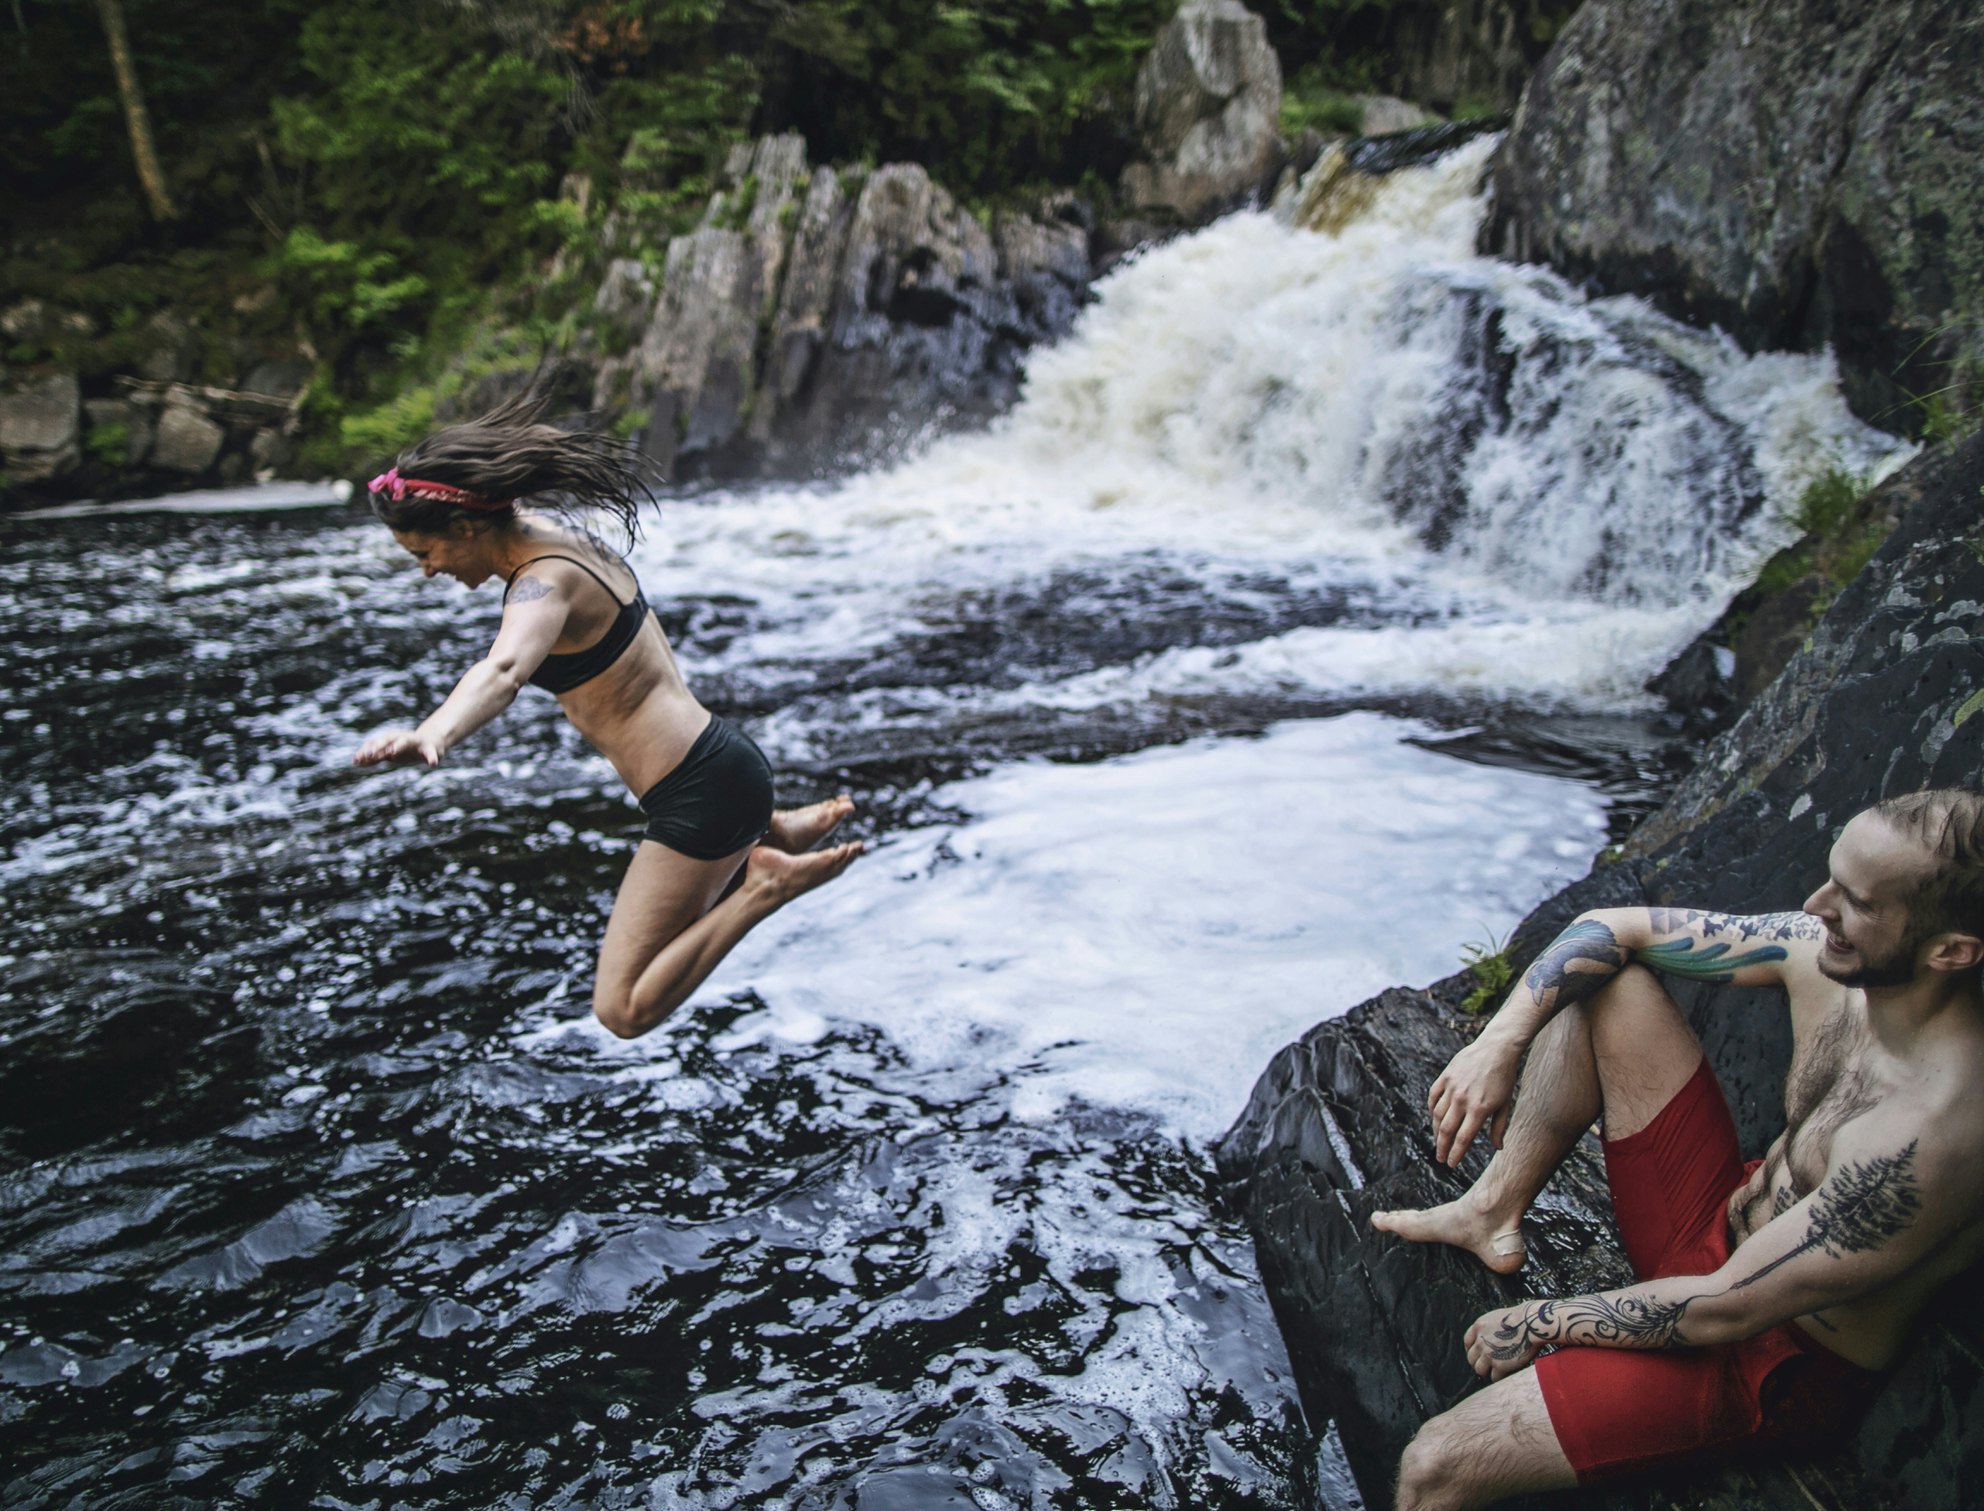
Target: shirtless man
(1811,1263)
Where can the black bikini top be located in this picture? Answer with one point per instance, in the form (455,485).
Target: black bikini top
(561,673)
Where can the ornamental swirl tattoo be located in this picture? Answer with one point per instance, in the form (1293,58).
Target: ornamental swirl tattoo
(1625,1321)
(1588,941)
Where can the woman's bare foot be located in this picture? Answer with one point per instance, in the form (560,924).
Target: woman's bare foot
(784,877)
(795,830)
(1493,1238)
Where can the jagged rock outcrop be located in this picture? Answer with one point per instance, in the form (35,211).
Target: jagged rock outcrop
(1882,699)
(1798,171)
(1208,104)
(816,319)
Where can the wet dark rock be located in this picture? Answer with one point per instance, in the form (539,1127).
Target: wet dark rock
(1207,107)
(1801,173)
(1879,700)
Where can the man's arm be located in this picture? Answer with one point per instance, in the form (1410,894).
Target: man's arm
(533,619)
(1477,1088)
(1892,1197)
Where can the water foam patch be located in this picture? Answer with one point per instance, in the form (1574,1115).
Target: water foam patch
(1145,932)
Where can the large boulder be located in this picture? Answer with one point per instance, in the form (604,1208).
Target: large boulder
(1798,171)
(40,430)
(1882,699)
(1208,105)
(187,441)
(817,319)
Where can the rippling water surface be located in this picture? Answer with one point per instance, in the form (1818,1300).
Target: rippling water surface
(1268,655)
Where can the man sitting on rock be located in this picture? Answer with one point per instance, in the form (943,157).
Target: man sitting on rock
(1770,1295)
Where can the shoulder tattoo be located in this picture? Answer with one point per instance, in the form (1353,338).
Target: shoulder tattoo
(529,589)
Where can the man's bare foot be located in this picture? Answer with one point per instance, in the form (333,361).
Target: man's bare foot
(795,830)
(1494,1239)
(787,876)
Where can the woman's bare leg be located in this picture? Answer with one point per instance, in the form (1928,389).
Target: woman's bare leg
(669,930)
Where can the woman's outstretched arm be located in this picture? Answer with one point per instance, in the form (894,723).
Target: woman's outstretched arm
(533,619)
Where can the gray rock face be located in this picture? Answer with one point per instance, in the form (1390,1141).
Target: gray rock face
(802,328)
(1880,701)
(187,441)
(1798,171)
(40,428)
(1208,105)
(1481,52)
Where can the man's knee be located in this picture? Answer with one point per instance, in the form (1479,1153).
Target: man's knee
(1430,1474)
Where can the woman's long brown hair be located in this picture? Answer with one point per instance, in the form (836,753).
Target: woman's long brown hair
(509,455)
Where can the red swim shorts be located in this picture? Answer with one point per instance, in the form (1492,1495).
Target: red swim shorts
(1620,1410)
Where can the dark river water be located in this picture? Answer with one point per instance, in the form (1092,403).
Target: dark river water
(1173,736)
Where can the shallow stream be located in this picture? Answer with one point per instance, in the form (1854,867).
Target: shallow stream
(1286,641)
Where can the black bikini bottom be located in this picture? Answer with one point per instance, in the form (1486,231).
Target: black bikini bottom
(717,800)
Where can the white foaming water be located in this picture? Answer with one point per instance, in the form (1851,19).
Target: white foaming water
(255,499)
(1144,933)
(1529,473)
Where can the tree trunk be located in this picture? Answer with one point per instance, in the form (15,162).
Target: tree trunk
(136,117)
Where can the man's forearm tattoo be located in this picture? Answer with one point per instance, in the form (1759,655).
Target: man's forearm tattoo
(1588,944)
(1699,960)
(1620,1321)
(1859,1208)
(528,590)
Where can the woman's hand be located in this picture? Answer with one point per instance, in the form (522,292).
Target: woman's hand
(1476,1090)
(399,747)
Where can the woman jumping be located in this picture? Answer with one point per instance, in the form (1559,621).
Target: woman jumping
(575,624)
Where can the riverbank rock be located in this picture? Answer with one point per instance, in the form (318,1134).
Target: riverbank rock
(1881,699)
(145,435)
(1799,172)
(817,320)
(1208,104)
(40,430)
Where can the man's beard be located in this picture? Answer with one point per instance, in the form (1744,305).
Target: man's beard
(1897,968)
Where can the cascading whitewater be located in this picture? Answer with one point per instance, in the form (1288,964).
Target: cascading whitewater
(1525,493)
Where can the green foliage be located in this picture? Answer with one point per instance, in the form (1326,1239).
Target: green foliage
(1829,500)
(986,96)
(1840,535)
(1309,101)
(109,443)
(342,285)
(1489,964)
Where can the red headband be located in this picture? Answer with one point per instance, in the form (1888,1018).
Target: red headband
(399,487)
